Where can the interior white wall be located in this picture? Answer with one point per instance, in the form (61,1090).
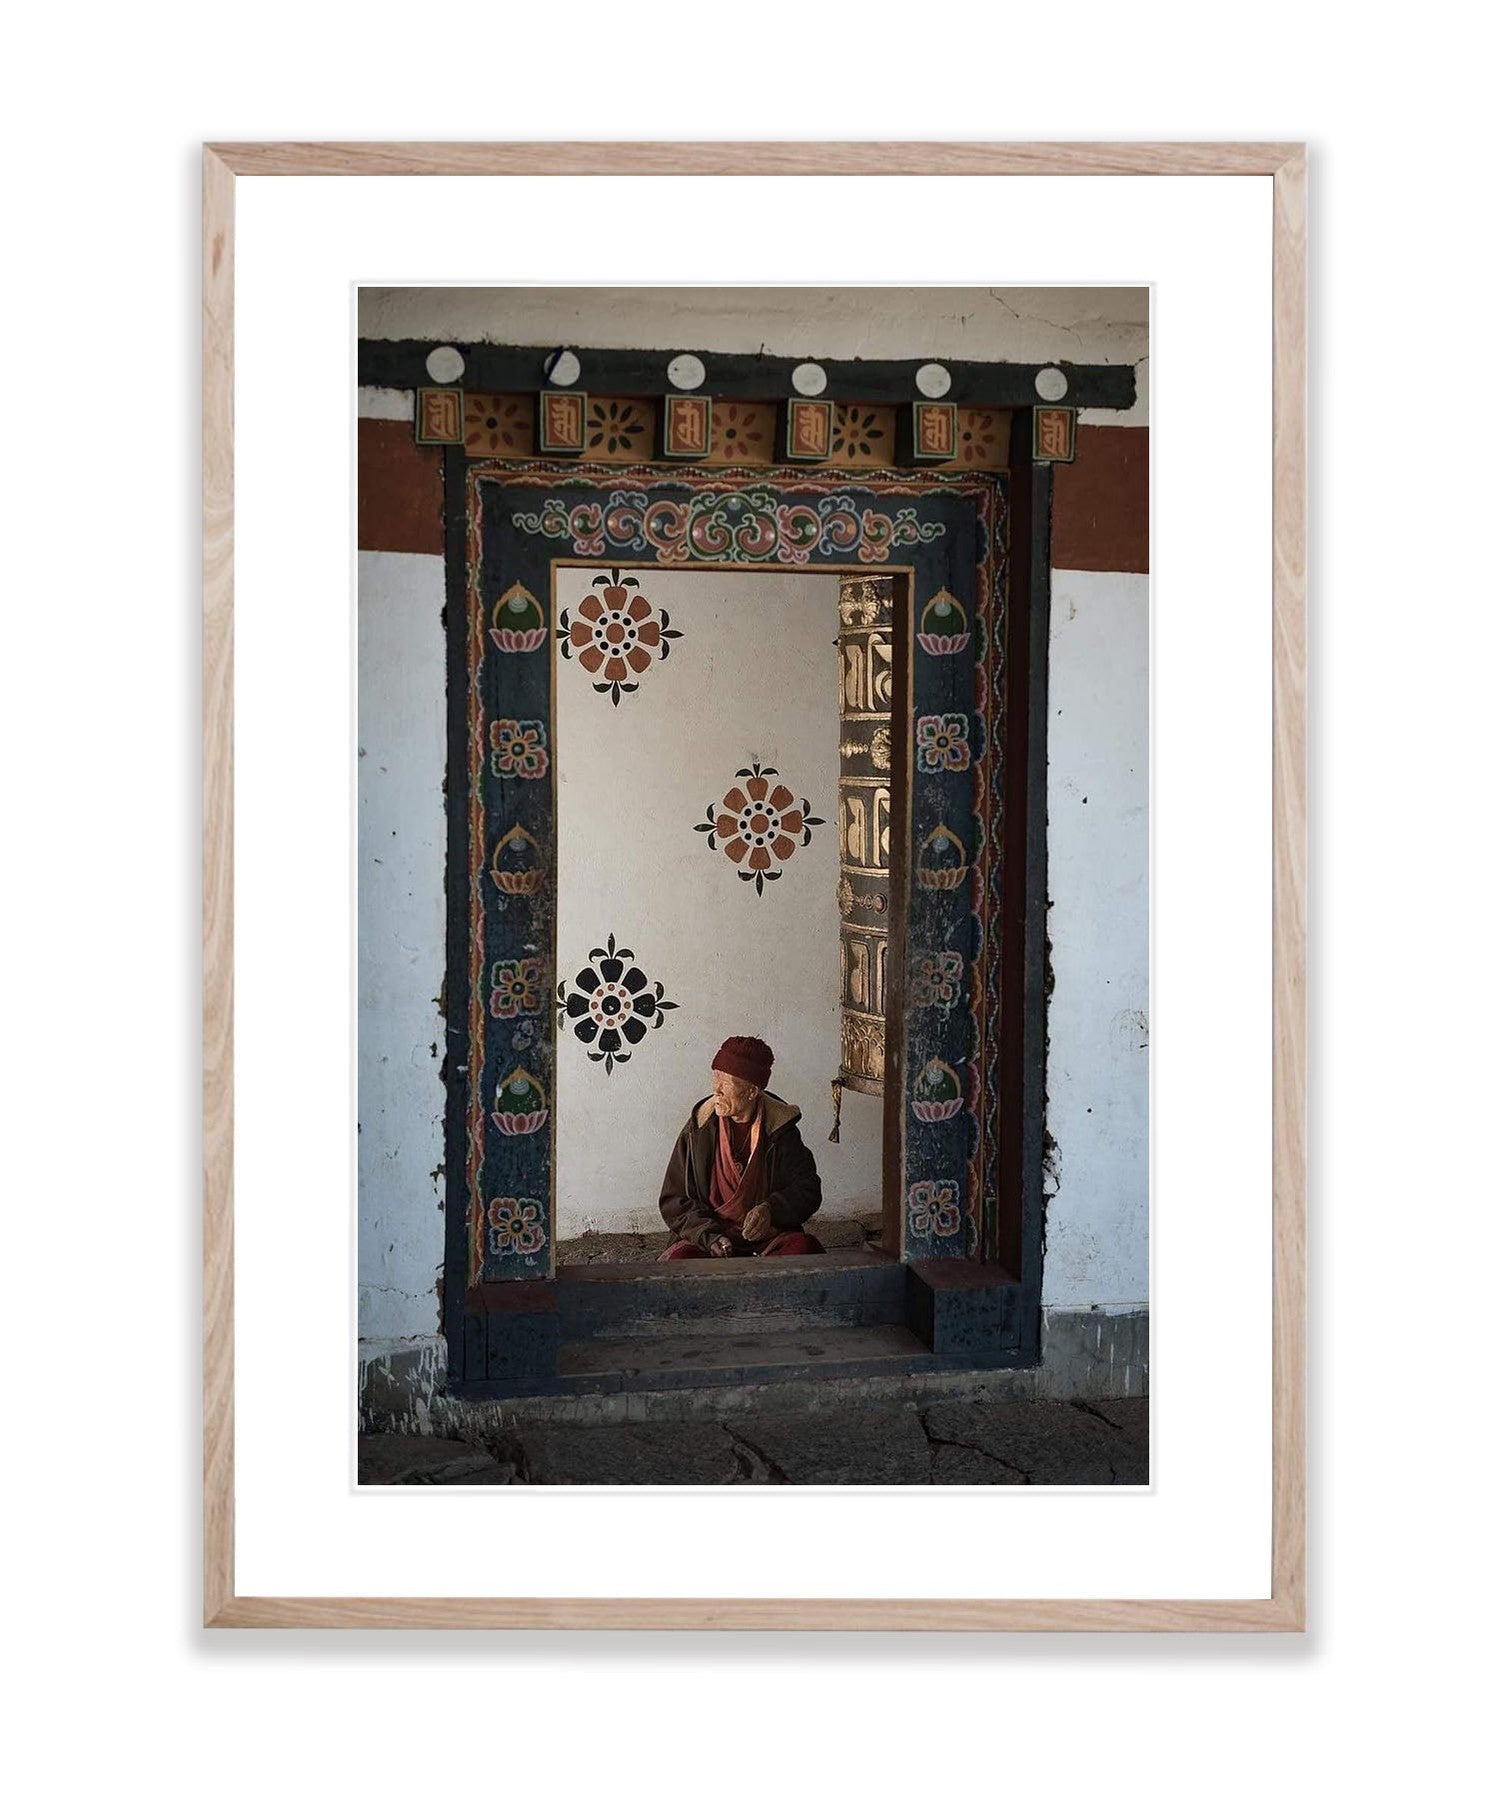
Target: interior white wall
(401,755)
(753,677)
(1098,849)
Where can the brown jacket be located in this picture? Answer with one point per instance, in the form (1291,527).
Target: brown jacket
(792,1188)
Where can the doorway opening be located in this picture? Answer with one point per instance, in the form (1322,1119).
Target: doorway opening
(728,770)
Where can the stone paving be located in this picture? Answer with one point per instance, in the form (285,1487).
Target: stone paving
(973,1443)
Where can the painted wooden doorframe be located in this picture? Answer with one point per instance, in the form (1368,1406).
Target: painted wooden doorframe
(668,517)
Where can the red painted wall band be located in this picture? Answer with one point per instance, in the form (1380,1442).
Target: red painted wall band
(1100,516)
(400,489)
(1100,511)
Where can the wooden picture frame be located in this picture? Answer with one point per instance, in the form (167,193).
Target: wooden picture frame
(1286,164)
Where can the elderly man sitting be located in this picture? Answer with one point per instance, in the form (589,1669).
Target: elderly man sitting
(741,1182)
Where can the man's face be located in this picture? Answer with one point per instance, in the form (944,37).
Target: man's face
(733,1098)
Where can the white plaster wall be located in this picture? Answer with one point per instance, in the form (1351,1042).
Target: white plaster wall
(1097,1250)
(401,711)
(752,678)
(983,324)
(398,403)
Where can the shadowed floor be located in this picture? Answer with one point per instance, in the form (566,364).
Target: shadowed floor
(967,1443)
(645,1246)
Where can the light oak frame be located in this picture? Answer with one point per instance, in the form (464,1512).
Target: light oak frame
(1285,1609)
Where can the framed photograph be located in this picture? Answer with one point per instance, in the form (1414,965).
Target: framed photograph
(754,828)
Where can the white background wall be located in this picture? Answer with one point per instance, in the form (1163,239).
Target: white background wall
(1098,851)
(402,843)
(753,677)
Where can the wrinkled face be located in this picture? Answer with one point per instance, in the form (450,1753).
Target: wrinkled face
(733,1098)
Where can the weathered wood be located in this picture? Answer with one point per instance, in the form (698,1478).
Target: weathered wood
(1037,947)
(520,368)
(456,1224)
(473,1341)
(963,1308)
(520,1348)
(1004,1242)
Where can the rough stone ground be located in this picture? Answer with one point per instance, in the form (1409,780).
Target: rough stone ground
(973,1443)
(645,1246)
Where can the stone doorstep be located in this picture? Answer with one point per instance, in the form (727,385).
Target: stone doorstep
(832,1390)
(1086,1355)
(701,1324)
(680,1358)
(870,1378)
(713,1299)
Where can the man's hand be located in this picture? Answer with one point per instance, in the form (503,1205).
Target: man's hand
(757,1223)
(721,1246)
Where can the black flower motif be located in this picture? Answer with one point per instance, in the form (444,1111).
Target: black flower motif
(615,425)
(856,430)
(611,1005)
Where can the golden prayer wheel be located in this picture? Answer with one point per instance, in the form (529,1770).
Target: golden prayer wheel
(864,683)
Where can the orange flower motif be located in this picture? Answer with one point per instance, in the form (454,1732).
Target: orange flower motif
(497,425)
(978,437)
(515,1227)
(759,825)
(616,634)
(740,432)
(518,748)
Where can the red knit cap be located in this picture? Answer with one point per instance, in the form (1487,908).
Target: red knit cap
(746,1058)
